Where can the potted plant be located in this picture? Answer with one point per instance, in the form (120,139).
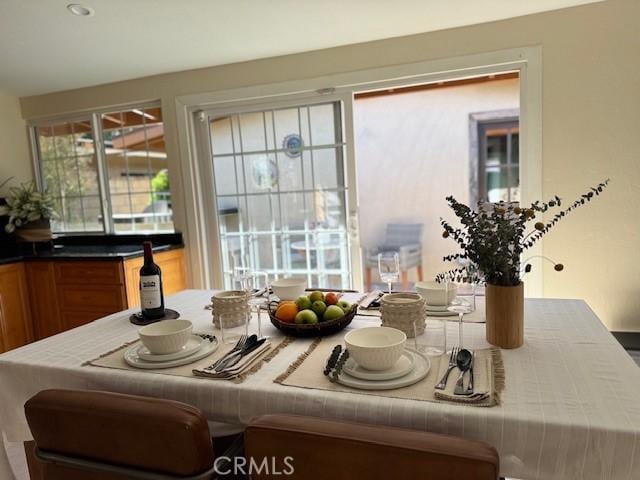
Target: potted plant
(493,239)
(3,203)
(29,213)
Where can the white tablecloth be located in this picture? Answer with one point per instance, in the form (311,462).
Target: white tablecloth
(571,407)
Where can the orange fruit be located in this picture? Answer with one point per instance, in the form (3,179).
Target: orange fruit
(331,298)
(287,312)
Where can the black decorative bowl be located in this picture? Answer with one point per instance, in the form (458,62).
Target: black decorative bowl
(320,329)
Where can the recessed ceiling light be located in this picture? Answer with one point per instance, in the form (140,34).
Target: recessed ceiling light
(80,10)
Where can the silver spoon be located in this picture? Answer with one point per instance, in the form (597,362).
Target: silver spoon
(463,362)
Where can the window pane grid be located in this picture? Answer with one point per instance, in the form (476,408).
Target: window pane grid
(137,167)
(269,194)
(69,173)
(133,158)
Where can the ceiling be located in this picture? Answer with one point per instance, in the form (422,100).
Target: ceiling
(44,48)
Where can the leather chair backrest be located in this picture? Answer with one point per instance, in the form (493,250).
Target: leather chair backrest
(142,433)
(326,449)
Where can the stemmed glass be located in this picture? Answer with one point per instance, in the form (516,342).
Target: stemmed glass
(389,267)
(255,282)
(460,309)
(474,280)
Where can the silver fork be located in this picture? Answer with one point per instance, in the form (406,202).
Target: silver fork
(442,384)
(239,345)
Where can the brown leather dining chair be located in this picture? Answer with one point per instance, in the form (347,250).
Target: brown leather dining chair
(309,448)
(87,435)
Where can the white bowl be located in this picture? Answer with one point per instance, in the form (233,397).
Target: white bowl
(435,293)
(289,288)
(375,348)
(167,336)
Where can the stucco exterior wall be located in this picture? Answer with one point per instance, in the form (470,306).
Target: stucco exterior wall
(412,151)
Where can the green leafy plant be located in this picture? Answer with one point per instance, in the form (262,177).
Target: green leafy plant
(3,183)
(160,184)
(494,237)
(25,204)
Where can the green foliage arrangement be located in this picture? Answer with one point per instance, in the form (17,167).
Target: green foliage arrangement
(494,237)
(25,204)
(160,184)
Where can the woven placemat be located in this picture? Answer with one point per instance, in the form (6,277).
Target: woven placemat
(115,359)
(307,372)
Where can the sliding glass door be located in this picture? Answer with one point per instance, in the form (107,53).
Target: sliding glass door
(280,189)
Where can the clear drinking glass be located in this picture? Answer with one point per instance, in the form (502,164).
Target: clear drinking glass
(435,337)
(233,325)
(389,267)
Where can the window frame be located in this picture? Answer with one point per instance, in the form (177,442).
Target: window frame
(94,117)
(477,170)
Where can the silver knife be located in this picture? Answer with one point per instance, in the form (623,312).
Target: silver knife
(469,390)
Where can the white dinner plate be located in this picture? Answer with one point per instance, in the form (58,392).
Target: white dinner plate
(131,357)
(403,366)
(446,313)
(443,308)
(420,370)
(194,344)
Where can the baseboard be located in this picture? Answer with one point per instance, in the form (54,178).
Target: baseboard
(629,340)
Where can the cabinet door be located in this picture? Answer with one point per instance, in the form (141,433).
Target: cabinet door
(45,311)
(15,319)
(173,274)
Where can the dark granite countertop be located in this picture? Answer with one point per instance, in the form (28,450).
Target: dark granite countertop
(94,248)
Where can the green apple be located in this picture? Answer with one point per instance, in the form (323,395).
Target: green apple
(345,306)
(306,316)
(303,303)
(319,307)
(333,312)
(316,296)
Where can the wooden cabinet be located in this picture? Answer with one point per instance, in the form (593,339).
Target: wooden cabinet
(65,294)
(15,315)
(43,296)
(173,274)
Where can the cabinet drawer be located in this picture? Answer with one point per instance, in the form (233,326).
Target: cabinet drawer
(103,298)
(89,273)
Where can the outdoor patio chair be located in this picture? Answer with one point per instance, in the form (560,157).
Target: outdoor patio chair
(406,240)
(160,209)
(87,435)
(338,450)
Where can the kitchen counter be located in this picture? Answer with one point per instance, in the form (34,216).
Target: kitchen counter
(93,249)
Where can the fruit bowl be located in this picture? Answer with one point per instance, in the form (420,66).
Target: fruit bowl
(320,329)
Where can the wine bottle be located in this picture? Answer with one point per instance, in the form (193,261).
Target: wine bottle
(151,295)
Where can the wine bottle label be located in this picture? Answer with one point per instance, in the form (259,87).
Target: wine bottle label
(150,291)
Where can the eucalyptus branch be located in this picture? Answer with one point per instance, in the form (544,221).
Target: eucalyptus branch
(493,236)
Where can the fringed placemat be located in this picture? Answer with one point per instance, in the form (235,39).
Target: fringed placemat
(489,377)
(115,359)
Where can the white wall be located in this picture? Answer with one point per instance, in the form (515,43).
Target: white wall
(412,151)
(14,147)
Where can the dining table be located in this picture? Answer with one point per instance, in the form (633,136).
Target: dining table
(570,408)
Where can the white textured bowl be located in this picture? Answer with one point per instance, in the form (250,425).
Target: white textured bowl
(289,288)
(375,348)
(167,336)
(435,293)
